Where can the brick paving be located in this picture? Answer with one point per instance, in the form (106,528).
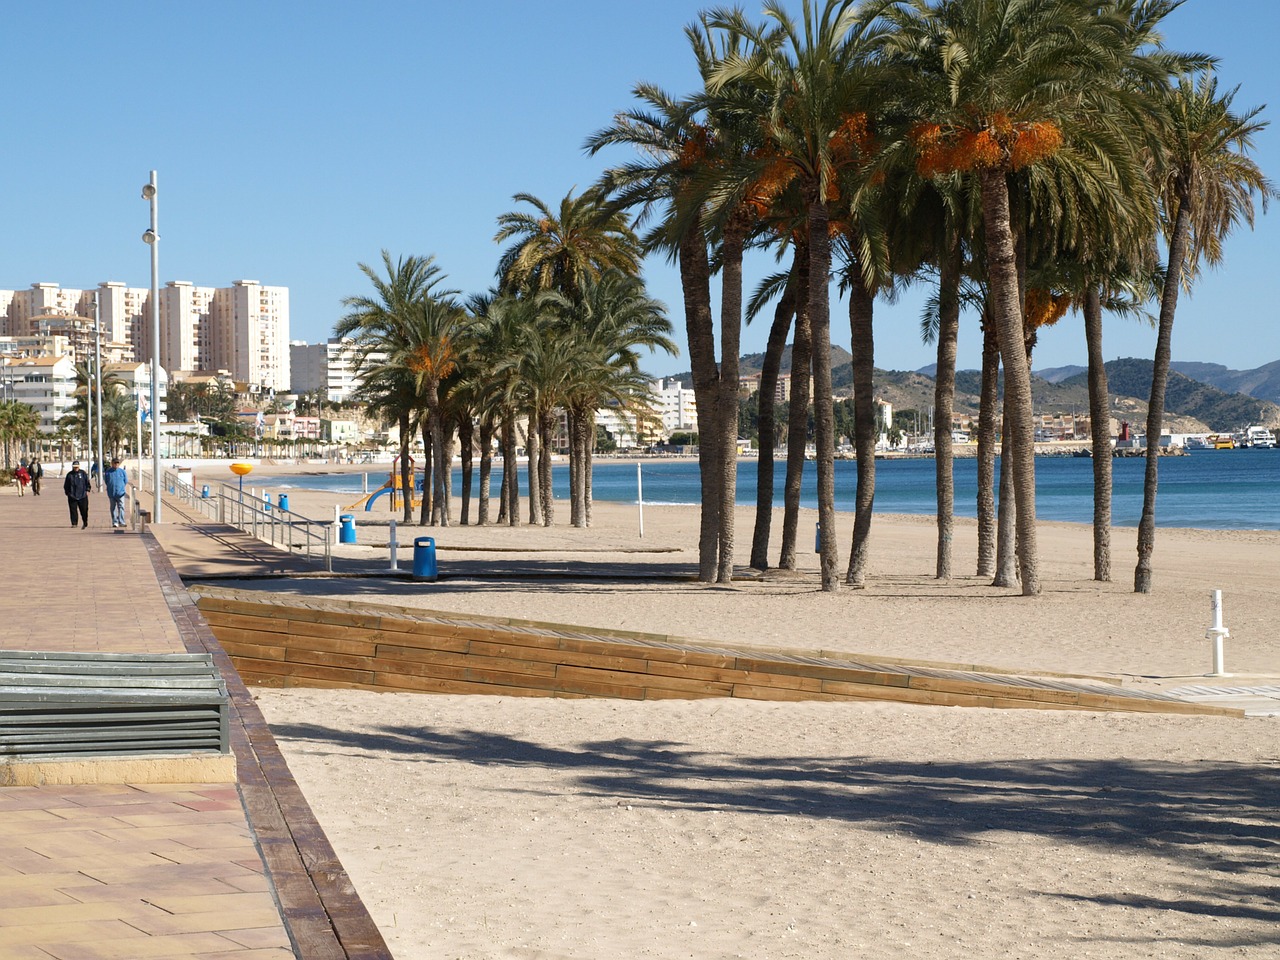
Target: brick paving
(89,872)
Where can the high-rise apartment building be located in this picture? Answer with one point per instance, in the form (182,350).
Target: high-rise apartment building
(242,329)
(329,367)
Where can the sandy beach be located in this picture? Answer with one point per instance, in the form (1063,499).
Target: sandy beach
(535,828)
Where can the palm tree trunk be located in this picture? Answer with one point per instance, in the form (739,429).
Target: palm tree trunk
(1100,430)
(573,417)
(510,473)
(730,350)
(1002,273)
(1159,383)
(862,344)
(986,506)
(1006,522)
(797,420)
(466,438)
(590,427)
(766,401)
(546,423)
(406,468)
(443,456)
(532,448)
(943,397)
(486,469)
(425,513)
(824,420)
(695,282)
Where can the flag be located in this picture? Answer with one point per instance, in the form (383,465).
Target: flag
(259,428)
(144,408)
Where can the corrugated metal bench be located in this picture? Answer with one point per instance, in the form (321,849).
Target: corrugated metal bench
(111,704)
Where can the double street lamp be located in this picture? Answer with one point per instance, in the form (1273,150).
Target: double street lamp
(152,239)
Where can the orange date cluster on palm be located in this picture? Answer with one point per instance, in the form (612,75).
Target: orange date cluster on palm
(1000,142)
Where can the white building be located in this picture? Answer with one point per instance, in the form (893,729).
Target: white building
(676,405)
(46,383)
(243,328)
(328,367)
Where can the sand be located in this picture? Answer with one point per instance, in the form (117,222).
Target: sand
(529,828)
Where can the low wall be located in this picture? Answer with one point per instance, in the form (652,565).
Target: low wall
(292,641)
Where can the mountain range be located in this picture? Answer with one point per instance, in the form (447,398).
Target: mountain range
(1200,397)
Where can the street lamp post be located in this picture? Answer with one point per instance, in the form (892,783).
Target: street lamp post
(97,354)
(152,239)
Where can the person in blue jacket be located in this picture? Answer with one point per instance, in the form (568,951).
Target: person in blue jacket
(76,487)
(116,479)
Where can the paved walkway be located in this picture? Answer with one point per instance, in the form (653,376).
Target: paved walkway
(213,871)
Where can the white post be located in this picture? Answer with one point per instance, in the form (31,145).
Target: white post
(395,568)
(366,483)
(152,239)
(640,498)
(335,523)
(1216,633)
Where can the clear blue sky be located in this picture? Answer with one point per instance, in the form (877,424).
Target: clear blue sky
(293,141)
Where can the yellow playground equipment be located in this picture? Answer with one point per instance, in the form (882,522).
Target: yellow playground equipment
(393,486)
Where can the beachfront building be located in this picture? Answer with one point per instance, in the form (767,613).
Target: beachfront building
(243,329)
(47,384)
(675,405)
(327,368)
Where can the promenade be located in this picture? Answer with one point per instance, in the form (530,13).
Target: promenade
(234,870)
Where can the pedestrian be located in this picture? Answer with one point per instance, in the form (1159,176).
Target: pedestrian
(116,479)
(93,471)
(23,478)
(37,474)
(76,487)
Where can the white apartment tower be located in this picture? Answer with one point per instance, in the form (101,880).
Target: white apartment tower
(186,326)
(329,367)
(251,324)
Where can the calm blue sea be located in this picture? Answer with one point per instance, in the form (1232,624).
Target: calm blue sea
(1209,489)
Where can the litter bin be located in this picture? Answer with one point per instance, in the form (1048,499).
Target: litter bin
(347,530)
(283,499)
(204,492)
(424,558)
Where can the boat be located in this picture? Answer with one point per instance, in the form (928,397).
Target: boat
(1198,443)
(1259,436)
(1222,442)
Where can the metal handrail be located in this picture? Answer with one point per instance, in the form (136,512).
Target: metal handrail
(272,524)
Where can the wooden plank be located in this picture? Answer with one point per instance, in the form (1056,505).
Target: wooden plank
(424,666)
(252,651)
(821,672)
(240,621)
(324,658)
(570,674)
(748,691)
(405,646)
(350,647)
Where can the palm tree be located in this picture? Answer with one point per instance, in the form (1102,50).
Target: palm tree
(603,333)
(1206,183)
(817,82)
(672,144)
(560,251)
(1021,79)
(379,325)
(433,329)
(19,422)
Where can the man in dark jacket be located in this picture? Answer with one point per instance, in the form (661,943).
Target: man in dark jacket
(76,487)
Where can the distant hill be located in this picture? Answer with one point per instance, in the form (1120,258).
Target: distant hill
(1191,405)
(1261,382)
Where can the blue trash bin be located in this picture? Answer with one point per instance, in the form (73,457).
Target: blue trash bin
(283,499)
(204,492)
(424,558)
(347,530)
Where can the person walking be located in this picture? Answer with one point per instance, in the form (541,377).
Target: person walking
(76,487)
(23,478)
(37,474)
(116,480)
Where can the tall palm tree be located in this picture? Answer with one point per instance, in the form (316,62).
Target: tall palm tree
(663,185)
(1021,79)
(817,80)
(1206,182)
(379,325)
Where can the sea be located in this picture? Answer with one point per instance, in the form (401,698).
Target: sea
(1207,489)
